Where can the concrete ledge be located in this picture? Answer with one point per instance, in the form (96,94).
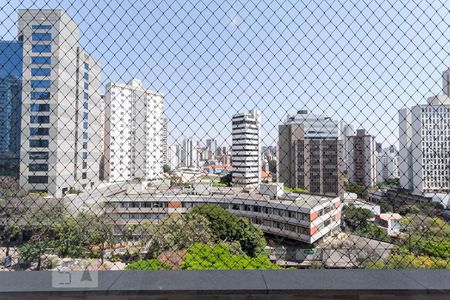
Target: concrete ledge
(320,284)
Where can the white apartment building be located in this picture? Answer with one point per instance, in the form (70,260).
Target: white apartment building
(246,150)
(387,164)
(60,139)
(424,138)
(189,154)
(173,156)
(345,131)
(164,145)
(133,132)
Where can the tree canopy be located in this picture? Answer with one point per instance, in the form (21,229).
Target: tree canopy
(227,227)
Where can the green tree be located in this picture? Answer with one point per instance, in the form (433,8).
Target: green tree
(250,237)
(175,233)
(79,235)
(425,235)
(219,257)
(166,168)
(410,261)
(356,218)
(226,179)
(32,251)
(11,230)
(273,166)
(227,227)
(359,190)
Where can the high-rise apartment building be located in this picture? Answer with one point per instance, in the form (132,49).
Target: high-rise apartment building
(133,138)
(10,106)
(211,144)
(60,105)
(362,164)
(173,156)
(189,153)
(345,131)
(164,145)
(310,154)
(424,153)
(446,82)
(246,150)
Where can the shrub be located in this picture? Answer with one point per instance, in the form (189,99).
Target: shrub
(219,257)
(149,264)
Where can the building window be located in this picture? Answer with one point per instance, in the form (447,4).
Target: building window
(38,143)
(40,72)
(85,145)
(41,60)
(39,36)
(84,175)
(40,95)
(40,107)
(39,131)
(41,48)
(39,119)
(85,125)
(85,105)
(84,155)
(41,26)
(86,85)
(38,155)
(37,179)
(86,76)
(84,165)
(85,135)
(40,84)
(85,116)
(38,167)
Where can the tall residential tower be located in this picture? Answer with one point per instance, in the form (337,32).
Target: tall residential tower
(133,132)
(246,150)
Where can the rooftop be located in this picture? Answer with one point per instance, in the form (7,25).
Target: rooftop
(307,201)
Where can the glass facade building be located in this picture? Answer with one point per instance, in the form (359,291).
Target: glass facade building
(10,106)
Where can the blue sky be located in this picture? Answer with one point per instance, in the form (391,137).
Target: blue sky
(357,61)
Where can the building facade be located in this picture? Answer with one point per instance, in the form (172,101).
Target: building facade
(133,139)
(345,131)
(60,105)
(362,159)
(164,145)
(387,164)
(305,218)
(246,150)
(424,139)
(189,156)
(173,156)
(310,154)
(10,106)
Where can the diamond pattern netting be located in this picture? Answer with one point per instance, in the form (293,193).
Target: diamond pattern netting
(236,135)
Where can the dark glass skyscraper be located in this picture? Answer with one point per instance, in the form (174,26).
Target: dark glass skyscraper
(10,106)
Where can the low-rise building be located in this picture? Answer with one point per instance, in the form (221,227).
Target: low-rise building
(300,217)
(390,222)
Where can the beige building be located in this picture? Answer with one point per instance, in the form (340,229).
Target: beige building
(315,164)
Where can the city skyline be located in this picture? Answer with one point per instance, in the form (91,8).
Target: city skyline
(195,107)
